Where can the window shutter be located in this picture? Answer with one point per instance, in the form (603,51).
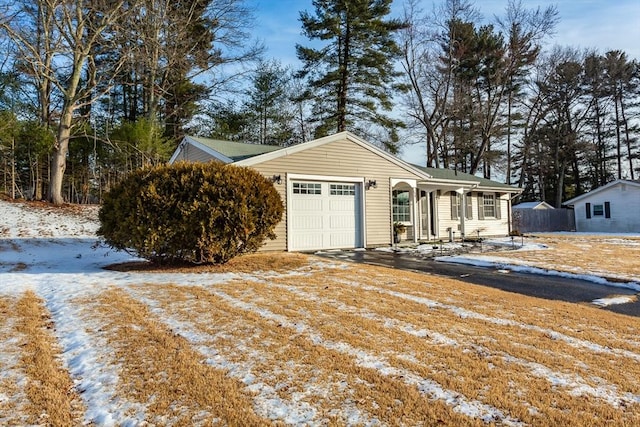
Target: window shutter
(588,209)
(480,206)
(607,210)
(454,205)
(498,203)
(469,212)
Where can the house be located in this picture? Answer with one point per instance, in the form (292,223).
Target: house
(342,192)
(533,205)
(612,208)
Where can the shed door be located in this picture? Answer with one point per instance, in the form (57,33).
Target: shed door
(324,215)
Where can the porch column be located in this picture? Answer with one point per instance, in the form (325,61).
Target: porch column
(416,215)
(462,210)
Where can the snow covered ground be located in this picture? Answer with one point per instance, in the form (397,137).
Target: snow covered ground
(56,254)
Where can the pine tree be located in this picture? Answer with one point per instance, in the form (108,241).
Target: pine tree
(269,104)
(351,78)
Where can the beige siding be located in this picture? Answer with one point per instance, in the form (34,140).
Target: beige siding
(193,154)
(487,227)
(280,243)
(347,159)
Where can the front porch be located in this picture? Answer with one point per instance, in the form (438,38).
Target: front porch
(428,211)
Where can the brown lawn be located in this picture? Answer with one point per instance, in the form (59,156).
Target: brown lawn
(294,339)
(608,256)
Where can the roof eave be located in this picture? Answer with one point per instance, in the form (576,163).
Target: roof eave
(571,202)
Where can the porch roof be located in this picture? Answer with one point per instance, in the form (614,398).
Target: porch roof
(453,176)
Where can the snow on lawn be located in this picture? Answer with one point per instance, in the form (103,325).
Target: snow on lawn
(503,256)
(623,299)
(501,253)
(255,330)
(508,260)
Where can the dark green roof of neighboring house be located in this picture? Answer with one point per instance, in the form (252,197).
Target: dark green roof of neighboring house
(236,150)
(450,174)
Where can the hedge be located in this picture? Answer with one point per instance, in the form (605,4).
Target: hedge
(190,212)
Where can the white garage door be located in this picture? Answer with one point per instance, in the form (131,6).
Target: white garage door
(324,215)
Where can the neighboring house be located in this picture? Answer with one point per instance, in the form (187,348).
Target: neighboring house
(343,192)
(533,205)
(612,208)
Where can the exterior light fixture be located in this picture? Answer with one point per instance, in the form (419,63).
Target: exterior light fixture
(371,184)
(277,179)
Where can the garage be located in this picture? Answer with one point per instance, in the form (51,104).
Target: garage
(324,215)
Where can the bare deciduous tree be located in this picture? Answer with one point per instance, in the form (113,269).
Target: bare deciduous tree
(61,54)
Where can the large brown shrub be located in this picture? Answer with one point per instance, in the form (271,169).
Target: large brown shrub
(193,212)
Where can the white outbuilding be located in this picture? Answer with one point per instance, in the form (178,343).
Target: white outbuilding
(612,208)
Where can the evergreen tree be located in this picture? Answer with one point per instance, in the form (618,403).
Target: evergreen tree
(352,76)
(269,104)
(621,78)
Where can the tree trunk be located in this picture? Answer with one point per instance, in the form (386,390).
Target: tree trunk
(560,187)
(509,124)
(13,168)
(627,139)
(59,156)
(344,75)
(618,141)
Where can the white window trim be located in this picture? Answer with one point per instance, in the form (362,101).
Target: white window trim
(411,214)
(495,202)
(593,207)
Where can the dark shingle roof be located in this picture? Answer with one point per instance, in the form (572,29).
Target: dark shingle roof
(453,175)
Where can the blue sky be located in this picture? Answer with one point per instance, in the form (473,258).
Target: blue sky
(600,24)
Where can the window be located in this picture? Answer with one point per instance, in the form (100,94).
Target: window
(400,206)
(456,205)
(456,200)
(342,190)
(489,205)
(598,210)
(306,188)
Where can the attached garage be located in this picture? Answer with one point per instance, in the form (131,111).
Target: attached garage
(324,214)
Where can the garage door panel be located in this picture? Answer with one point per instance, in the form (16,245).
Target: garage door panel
(341,203)
(342,240)
(304,203)
(303,223)
(342,222)
(307,241)
(327,219)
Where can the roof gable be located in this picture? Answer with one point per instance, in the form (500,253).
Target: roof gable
(328,140)
(224,151)
(533,205)
(601,189)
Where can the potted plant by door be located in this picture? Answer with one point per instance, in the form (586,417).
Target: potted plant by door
(398,229)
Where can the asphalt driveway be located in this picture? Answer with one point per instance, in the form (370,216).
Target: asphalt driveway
(548,287)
